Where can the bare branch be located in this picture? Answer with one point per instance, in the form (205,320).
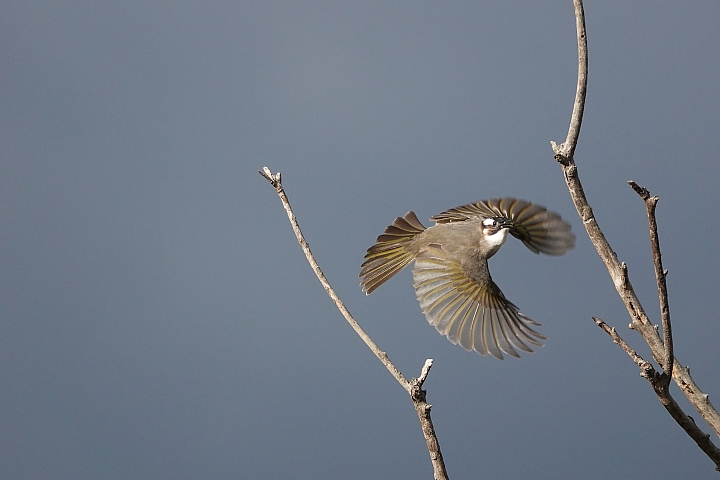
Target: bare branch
(422,408)
(382,356)
(660,276)
(564,154)
(659,383)
(413,387)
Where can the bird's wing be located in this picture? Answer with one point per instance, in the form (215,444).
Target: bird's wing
(463,303)
(390,254)
(540,230)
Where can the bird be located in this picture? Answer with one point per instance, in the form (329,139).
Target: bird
(451,277)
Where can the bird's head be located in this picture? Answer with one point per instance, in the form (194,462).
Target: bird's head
(494,231)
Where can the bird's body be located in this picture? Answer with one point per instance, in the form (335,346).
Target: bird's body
(451,276)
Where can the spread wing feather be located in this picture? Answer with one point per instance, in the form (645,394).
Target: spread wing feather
(541,231)
(474,314)
(390,254)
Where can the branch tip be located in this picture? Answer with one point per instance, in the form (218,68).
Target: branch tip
(275,180)
(425,370)
(642,191)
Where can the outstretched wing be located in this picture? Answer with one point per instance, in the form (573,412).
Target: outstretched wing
(464,304)
(390,254)
(541,230)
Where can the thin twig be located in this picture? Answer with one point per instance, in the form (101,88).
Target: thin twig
(660,276)
(566,151)
(275,181)
(413,387)
(659,384)
(425,371)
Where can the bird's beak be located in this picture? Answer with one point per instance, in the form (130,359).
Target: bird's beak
(504,222)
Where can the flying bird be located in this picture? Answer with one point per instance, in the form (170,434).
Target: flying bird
(451,276)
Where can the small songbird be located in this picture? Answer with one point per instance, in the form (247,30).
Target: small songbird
(451,277)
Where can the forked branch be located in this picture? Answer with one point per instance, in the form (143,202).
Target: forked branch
(659,383)
(662,349)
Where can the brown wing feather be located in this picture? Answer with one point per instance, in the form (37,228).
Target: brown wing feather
(468,309)
(390,254)
(541,230)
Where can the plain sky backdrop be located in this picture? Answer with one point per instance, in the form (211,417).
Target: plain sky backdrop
(157,317)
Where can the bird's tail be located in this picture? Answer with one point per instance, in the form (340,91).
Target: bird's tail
(390,254)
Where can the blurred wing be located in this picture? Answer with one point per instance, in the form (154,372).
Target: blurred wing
(540,230)
(470,311)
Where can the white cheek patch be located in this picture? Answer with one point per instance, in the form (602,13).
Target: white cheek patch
(488,222)
(497,238)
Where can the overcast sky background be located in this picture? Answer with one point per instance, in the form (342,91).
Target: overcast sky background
(158,319)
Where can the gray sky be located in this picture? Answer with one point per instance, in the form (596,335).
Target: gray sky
(158,320)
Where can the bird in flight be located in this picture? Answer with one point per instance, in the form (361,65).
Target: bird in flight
(451,276)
